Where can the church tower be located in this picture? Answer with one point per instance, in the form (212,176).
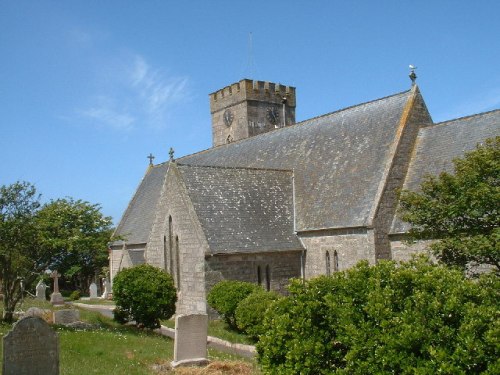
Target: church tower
(248,108)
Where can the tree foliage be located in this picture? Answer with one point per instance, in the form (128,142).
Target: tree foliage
(460,210)
(67,235)
(144,294)
(225,296)
(21,256)
(412,318)
(78,234)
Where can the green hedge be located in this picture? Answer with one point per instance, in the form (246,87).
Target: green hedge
(144,294)
(225,296)
(412,318)
(250,312)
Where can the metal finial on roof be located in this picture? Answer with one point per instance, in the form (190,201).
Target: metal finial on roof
(150,157)
(171,153)
(412,75)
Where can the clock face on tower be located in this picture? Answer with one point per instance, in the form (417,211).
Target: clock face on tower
(228,117)
(273,115)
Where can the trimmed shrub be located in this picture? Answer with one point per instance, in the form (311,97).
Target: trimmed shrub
(414,317)
(250,312)
(75,295)
(225,297)
(144,294)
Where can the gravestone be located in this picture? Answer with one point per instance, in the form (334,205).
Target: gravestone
(66,316)
(40,290)
(105,285)
(93,291)
(56,298)
(31,348)
(190,346)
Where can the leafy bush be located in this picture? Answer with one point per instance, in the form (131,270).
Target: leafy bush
(225,297)
(75,295)
(250,312)
(144,294)
(415,317)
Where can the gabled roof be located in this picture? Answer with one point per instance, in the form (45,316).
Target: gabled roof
(137,220)
(437,145)
(338,160)
(243,210)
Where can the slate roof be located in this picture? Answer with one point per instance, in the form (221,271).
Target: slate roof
(338,160)
(243,210)
(136,223)
(437,145)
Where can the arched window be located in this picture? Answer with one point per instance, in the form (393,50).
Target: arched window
(259,275)
(170,246)
(178,263)
(327,261)
(165,253)
(268,278)
(335,261)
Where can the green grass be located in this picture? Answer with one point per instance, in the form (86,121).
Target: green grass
(106,302)
(219,328)
(112,348)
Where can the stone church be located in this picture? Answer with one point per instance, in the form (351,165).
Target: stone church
(274,199)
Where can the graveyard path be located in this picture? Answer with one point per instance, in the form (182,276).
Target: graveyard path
(106,310)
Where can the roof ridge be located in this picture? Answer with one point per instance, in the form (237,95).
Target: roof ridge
(229,167)
(298,123)
(349,107)
(463,118)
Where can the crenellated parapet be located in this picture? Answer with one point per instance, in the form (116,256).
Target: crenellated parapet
(248,89)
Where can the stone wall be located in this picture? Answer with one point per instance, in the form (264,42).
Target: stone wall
(403,251)
(249,102)
(350,245)
(179,247)
(276,269)
(414,116)
(125,256)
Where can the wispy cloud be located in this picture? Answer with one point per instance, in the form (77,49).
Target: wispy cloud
(105,115)
(134,93)
(157,91)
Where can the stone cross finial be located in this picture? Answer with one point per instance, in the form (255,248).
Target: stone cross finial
(171,153)
(150,157)
(55,275)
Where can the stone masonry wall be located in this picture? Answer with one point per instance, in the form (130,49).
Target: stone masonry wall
(403,251)
(245,267)
(351,246)
(414,115)
(186,264)
(249,102)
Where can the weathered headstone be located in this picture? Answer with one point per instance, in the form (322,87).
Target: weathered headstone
(40,290)
(105,285)
(93,291)
(66,316)
(56,297)
(31,348)
(190,346)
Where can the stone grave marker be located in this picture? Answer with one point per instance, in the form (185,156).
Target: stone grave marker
(93,291)
(190,346)
(31,348)
(40,290)
(66,316)
(105,286)
(56,298)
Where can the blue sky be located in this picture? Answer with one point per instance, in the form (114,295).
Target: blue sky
(89,89)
